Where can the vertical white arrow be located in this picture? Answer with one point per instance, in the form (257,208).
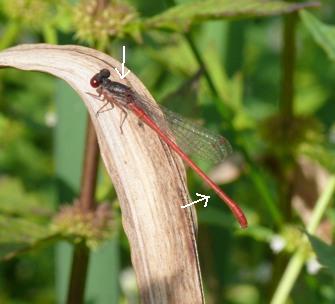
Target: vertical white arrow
(122,74)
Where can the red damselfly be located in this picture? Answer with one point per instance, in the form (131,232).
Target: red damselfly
(181,135)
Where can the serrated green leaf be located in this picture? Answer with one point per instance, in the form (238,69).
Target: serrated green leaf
(18,230)
(19,235)
(14,200)
(324,252)
(322,33)
(181,17)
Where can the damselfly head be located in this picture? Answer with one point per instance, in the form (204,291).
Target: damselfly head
(97,79)
(104,73)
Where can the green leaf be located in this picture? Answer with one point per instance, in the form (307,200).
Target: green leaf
(310,96)
(18,230)
(258,233)
(324,252)
(322,33)
(321,152)
(19,235)
(181,17)
(214,216)
(15,200)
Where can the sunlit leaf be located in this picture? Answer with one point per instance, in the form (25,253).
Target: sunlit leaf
(258,233)
(322,33)
(181,17)
(116,19)
(14,200)
(309,102)
(19,235)
(324,252)
(324,154)
(18,230)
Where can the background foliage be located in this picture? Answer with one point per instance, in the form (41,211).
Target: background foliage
(261,73)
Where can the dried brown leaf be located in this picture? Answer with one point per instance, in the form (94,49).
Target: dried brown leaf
(148,177)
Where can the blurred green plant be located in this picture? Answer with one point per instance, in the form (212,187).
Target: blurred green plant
(325,253)
(234,88)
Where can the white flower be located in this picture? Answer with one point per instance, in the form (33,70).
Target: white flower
(128,282)
(277,243)
(50,119)
(313,266)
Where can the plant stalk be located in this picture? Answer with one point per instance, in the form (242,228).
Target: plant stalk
(77,283)
(288,64)
(202,64)
(81,253)
(90,169)
(295,264)
(286,111)
(287,105)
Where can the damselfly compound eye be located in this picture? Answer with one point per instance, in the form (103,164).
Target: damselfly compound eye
(95,82)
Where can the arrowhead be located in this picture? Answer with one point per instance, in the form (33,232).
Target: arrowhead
(117,71)
(203,197)
(121,75)
(207,197)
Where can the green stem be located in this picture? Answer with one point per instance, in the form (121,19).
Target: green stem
(50,34)
(9,35)
(321,206)
(288,64)
(295,264)
(286,109)
(287,104)
(202,64)
(264,192)
(197,56)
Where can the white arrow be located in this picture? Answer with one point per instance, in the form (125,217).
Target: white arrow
(203,197)
(122,74)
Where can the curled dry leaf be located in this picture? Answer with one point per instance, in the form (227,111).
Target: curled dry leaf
(310,179)
(148,177)
(229,170)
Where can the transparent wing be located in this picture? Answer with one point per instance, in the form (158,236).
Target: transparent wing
(193,139)
(197,141)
